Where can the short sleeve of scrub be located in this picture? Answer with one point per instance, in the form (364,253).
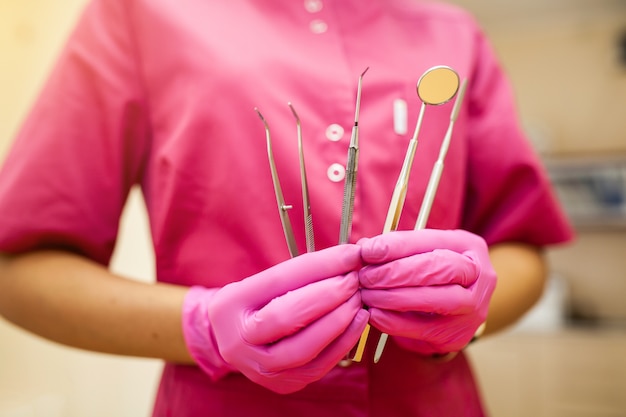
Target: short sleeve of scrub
(508,194)
(80,150)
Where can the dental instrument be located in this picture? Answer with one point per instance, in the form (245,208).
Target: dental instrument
(435,175)
(437,86)
(308,218)
(282,207)
(431,190)
(347,207)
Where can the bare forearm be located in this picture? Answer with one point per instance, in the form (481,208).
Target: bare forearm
(521,274)
(73,301)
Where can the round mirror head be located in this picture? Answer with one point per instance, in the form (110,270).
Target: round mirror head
(438,85)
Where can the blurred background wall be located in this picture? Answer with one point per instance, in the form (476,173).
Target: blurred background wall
(565,61)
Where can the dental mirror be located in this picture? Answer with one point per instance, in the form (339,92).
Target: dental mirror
(438,85)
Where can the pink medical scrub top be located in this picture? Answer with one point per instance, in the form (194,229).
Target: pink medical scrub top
(161,93)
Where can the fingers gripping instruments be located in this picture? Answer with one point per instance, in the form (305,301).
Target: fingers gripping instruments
(437,86)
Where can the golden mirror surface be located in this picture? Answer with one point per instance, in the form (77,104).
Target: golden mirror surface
(438,85)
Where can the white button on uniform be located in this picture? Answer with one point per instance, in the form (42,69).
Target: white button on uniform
(313,6)
(318,26)
(336,172)
(334,132)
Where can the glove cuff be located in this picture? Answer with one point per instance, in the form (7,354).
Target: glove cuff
(198,334)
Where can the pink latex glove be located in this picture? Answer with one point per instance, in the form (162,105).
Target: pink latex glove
(428,288)
(284,327)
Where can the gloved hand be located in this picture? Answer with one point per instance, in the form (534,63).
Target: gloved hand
(284,327)
(428,288)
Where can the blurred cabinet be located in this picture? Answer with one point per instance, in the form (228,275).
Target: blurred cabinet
(592,190)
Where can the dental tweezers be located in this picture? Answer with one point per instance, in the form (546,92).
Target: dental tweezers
(280,200)
(308,217)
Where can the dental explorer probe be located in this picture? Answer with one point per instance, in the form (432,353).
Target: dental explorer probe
(282,207)
(308,218)
(347,207)
(431,190)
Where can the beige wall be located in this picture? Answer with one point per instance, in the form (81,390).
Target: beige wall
(572,98)
(31,32)
(570,87)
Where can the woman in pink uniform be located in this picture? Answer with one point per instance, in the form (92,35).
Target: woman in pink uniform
(160,94)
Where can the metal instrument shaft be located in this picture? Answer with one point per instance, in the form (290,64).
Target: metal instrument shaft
(435,175)
(280,201)
(347,207)
(306,204)
(431,190)
(393,213)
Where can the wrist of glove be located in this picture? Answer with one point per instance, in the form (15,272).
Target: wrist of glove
(198,333)
(428,289)
(284,327)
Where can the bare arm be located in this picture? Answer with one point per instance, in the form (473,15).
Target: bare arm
(73,301)
(521,271)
